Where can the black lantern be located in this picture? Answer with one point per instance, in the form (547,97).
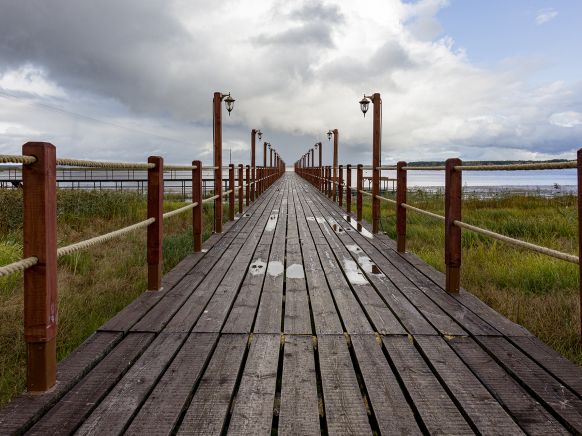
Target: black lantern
(229,102)
(329,133)
(364,104)
(259,134)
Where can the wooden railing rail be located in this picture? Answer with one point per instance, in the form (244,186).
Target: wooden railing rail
(39,263)
(322,178)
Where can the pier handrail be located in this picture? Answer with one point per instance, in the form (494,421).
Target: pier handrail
(39,263)
(321,177)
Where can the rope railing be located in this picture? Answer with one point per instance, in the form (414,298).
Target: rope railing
(82,245)
(104,164)
(209,199)
(366,193)
(388,200)
(180,167)
(422,212)
(427,168)
(519,243)
(18,266)
(180,210)
(10,158)
(519,167)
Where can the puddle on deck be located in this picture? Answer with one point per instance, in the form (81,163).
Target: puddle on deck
(295,271)
(257,267)
(275,268)
(358,227)
(272,223)
(353,273)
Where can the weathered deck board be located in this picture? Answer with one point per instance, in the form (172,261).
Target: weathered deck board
(296,320)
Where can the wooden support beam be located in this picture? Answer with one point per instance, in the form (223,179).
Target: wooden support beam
(359,188)
(156,229)
(349,189)
(401,190)
(231,188)
(453,187)
(197,212)
(40,281)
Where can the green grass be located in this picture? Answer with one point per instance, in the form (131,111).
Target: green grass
(536,291)
(94,284)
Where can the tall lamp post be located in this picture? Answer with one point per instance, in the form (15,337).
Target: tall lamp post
(254,134)
(217,112)
(376,151)
(335,134)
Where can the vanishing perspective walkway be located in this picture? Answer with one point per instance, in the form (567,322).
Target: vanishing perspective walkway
(297,319)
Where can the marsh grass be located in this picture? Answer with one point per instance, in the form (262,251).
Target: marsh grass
(94,284)
(536,291)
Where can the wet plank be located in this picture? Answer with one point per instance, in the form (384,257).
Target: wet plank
(299,409)
(162,410)
(436,409)
(206,414)
(253,406)
(345,412)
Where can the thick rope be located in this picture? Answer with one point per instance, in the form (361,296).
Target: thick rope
(518,243)
(516,167)
(389,200)
(180,167)
(209,199)
(18,266)
(180,210)
(10,158)
(388,167)
(435,168)
(103,164)
(423,212)
(227,192)
(103,238)
(365,193)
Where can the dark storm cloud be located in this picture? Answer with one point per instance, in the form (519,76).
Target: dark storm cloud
(115,48)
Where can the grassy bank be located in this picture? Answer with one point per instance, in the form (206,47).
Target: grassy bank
(94,284)
(536,291)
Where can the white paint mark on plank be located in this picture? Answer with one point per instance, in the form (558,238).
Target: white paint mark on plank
(275,268)
(355,276)
(258,267)
(295,271)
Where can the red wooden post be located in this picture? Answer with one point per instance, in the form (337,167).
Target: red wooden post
(253,164)
(240,188)
(376,161)
(349,189)
(453,186)
(248,183)
(334,175)
(231,188)
(156,229)
(580,233)
(401,190)
(40,281)
(340,187)
(197,212)
(218,162)
(359,188)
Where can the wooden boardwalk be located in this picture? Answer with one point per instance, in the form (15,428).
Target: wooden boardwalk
(297,321)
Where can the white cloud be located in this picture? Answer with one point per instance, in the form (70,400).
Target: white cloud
(545,15)
(566,119)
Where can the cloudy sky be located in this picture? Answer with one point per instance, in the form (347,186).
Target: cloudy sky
(123,79)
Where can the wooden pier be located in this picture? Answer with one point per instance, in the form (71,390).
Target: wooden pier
(298,321)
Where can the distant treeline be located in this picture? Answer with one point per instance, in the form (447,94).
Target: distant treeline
(484,162)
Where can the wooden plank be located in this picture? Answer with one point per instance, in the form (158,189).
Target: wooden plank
(345,411)
(567,372)
(436,409)
(161,411)
(242,315)
(393,414)
(528,412)
(217,309)
(159,316)
(253,406)
(206,414)
(483,410)
(561,400)
(18,415)
(325,316)
(114,412)
(227,272)
(65,416)
(270,311)
(299,409)
(297,315)
(386,279)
